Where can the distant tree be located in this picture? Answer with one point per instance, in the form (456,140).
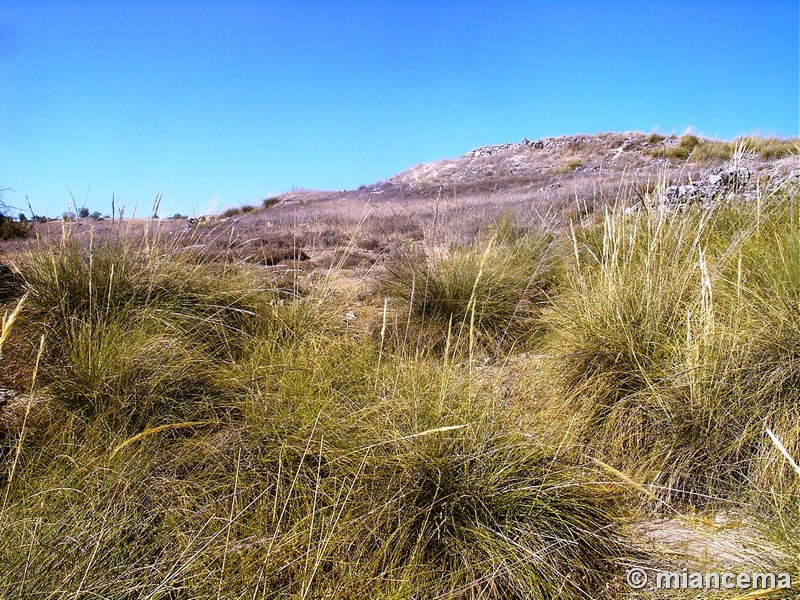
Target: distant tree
(95,215)
(3,207)
(83,212)
(67,216)
(8,227)
(22,218)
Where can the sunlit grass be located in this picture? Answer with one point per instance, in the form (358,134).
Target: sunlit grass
(194,431)
(200,435)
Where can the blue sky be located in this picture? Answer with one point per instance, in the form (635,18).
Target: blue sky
(239,100)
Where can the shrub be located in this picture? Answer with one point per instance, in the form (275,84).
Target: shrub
(271,201)
(10,229)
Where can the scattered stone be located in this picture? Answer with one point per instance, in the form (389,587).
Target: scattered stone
(537,145)
(709,190)
(6,395)
(484,151)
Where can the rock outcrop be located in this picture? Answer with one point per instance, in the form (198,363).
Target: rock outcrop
(709,190)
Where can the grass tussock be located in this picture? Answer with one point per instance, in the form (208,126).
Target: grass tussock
(493,290)
(134,334)
(684,149)
(675,342)
(568,167)
(766,148)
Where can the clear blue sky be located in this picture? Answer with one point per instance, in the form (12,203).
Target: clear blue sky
(239,100)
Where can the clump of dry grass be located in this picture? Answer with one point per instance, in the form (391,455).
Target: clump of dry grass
(683,150)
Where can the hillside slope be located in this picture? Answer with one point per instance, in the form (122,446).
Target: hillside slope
(583,164)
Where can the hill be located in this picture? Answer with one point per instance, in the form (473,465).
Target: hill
(558,180)
(586,165)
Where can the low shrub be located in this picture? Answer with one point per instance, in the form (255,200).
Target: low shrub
(11,229)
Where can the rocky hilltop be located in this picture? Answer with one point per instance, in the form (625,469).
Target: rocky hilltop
(585,166)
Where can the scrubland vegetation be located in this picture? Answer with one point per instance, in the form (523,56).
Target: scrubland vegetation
(496,421)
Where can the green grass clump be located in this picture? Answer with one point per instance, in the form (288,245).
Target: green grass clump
(483,515)
(271,201)
(418,487)
(240,210)
(700,150)
(136,333)
(615,328)
(568,167)
(687,144)
(494,291)
(457,511)
(675,343)
(766,148)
